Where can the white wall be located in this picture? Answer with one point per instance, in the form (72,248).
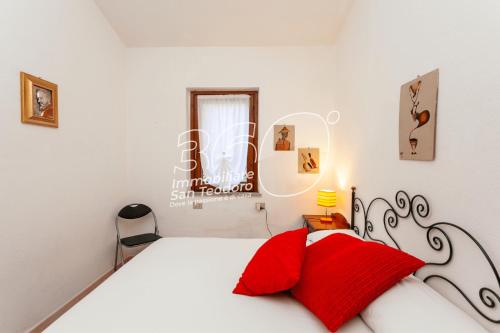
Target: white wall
(60,187)
(386,43)
(290,80)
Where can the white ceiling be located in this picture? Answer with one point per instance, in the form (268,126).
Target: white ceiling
(142,23)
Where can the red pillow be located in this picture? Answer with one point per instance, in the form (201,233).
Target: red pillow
(276,265)
(341,275)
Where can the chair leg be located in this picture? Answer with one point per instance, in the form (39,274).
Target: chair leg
(121,251)
(116,253)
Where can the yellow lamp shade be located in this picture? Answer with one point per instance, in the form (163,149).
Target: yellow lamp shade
(327,198)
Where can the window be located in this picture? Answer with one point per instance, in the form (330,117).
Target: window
(224,152)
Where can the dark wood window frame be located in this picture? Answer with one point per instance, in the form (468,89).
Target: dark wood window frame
(253,148)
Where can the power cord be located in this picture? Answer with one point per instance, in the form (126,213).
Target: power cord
(267,224)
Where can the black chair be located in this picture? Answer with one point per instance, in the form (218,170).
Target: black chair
(133,212)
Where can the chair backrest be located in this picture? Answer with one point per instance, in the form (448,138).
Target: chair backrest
(135,211)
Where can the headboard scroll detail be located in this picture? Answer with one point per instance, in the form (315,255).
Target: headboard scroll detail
(415,209)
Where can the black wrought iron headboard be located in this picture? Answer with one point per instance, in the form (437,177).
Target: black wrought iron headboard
(415,209)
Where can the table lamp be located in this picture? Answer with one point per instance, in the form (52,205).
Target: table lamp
(327,198)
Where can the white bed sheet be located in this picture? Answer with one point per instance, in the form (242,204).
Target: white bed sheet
(185,285)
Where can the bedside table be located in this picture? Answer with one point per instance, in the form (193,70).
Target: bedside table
(313,222)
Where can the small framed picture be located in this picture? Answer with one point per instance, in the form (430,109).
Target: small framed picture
(284,137)
(38,101)
(308,160)
(417,118)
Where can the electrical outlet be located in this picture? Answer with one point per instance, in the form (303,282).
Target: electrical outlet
(197,205)
(260,206)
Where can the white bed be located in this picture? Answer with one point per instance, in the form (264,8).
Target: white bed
(185,285)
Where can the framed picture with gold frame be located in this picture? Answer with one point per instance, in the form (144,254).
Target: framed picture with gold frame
(38,101)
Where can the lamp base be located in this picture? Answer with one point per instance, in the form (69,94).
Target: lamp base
(326,220)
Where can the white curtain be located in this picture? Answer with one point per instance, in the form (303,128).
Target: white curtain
(224,123)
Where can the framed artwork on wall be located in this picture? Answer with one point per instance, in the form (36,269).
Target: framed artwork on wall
(417,118)
(284,137)
(38,101)
(308,160)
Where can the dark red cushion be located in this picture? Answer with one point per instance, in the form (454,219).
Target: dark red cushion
(276,265)
(341,275)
